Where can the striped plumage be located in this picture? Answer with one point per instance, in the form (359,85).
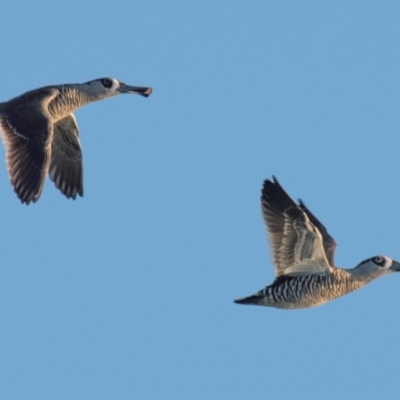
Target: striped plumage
(303,257)
(41,136)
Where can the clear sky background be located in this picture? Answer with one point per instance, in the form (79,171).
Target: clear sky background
(127,293)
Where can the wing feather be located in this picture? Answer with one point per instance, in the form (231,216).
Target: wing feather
(66,170)
(26,130)
(328,241)
(296,241)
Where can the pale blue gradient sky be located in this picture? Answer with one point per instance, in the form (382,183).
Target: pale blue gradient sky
(128,292)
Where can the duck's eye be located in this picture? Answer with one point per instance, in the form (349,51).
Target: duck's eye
(107,82)
(379,261)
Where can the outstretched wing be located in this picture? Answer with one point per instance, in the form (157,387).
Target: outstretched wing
(296,242)
(66,169)
(26,129)
(328,241)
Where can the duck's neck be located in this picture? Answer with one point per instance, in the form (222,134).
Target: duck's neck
(70,98)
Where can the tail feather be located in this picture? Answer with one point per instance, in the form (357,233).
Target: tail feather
(254,299)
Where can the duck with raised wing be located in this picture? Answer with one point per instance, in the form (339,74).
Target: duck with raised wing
(41,136)
(303,256)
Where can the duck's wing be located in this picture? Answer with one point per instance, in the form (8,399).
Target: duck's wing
(26,129)
(66,170)
(328,241)
(296,242)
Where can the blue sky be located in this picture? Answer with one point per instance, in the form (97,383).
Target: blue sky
(127,293)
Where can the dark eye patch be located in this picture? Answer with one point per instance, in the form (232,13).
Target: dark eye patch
(379,261)
(106,82)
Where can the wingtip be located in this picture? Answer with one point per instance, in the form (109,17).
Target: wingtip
(273,188)
(26,202)
(273,181)
(26,197)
